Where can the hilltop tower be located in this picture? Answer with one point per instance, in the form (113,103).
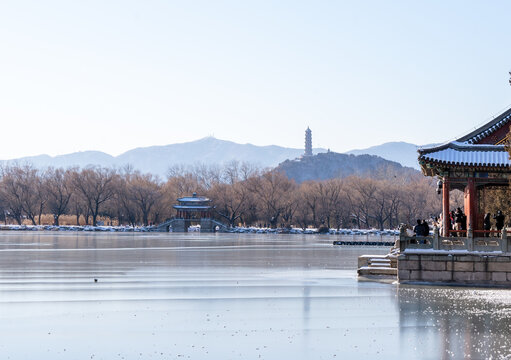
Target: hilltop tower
(308,142)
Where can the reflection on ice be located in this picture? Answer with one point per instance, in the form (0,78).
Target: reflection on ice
(456,322)
(174,296)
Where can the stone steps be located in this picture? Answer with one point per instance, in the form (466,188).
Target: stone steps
(377,270)
(380,262)
(377,265)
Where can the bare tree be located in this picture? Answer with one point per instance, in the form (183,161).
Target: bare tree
(329,195)
(230,201)
(273,191)
(28,183)
(58,188)
(96,186)
(310,197)
(123,201)
(144,191)
(12,193)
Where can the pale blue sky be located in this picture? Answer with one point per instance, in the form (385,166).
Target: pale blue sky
(114,75)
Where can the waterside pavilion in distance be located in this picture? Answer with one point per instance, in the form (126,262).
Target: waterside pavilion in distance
(192,210)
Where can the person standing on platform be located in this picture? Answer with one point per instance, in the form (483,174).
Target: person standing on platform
(458,218)
(440,225)
(425,228)
(452,223)
(499,220)
(418,229)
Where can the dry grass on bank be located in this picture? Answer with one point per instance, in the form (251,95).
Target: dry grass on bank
(65,220)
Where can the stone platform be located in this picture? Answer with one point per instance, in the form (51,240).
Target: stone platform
(471,261)
(455,268)
(436,260)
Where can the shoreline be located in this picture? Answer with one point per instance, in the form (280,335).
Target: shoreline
(194,229)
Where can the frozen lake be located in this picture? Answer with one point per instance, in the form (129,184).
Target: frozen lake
(228,296)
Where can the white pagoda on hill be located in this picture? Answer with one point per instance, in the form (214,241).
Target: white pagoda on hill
(308,142)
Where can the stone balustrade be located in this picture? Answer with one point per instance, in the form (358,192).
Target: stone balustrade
(469,243)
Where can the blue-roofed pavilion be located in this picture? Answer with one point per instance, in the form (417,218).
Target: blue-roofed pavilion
(193,207)
(473,162)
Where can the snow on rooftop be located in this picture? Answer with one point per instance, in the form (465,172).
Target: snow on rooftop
(489,131)
(479,157)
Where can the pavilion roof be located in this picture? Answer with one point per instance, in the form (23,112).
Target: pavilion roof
(468,150)
(487,129)
(456,153)
(196,199)
(192,207)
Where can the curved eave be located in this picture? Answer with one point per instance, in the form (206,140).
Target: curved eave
(192,199)
(488,128)
(191,207)
(455,145)
(466,164)
(431,167)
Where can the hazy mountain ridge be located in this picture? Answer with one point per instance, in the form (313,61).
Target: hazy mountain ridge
(158,159)
(209,150)
(399,151)
(331,165)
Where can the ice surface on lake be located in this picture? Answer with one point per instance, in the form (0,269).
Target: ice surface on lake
(227,296)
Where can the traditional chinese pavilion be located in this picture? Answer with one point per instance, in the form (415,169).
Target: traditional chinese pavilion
(192,210)
(193,207)
(472,163)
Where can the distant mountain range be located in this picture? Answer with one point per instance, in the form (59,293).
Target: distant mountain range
(158,159)
(401,152)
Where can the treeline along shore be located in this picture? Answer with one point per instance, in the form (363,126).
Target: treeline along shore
(240,192)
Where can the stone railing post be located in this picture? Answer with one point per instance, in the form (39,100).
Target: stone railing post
(402,239)
(503,245)
(470,239)
(436,241)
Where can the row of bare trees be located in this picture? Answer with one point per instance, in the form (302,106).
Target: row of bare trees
(127,196)
(272,199)
(241,193)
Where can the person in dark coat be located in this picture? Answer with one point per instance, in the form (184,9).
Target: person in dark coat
(499,220)
(463,222)
(425,228)
(418,229)
(458,219)
(487,224)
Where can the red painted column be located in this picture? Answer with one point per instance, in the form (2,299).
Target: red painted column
(445,206)
(470,204)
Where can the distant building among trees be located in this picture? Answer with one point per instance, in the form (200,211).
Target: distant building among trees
(308,142)
(242,194)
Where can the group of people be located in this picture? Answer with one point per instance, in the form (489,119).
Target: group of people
(422,228)
(457,223)
(499,222)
